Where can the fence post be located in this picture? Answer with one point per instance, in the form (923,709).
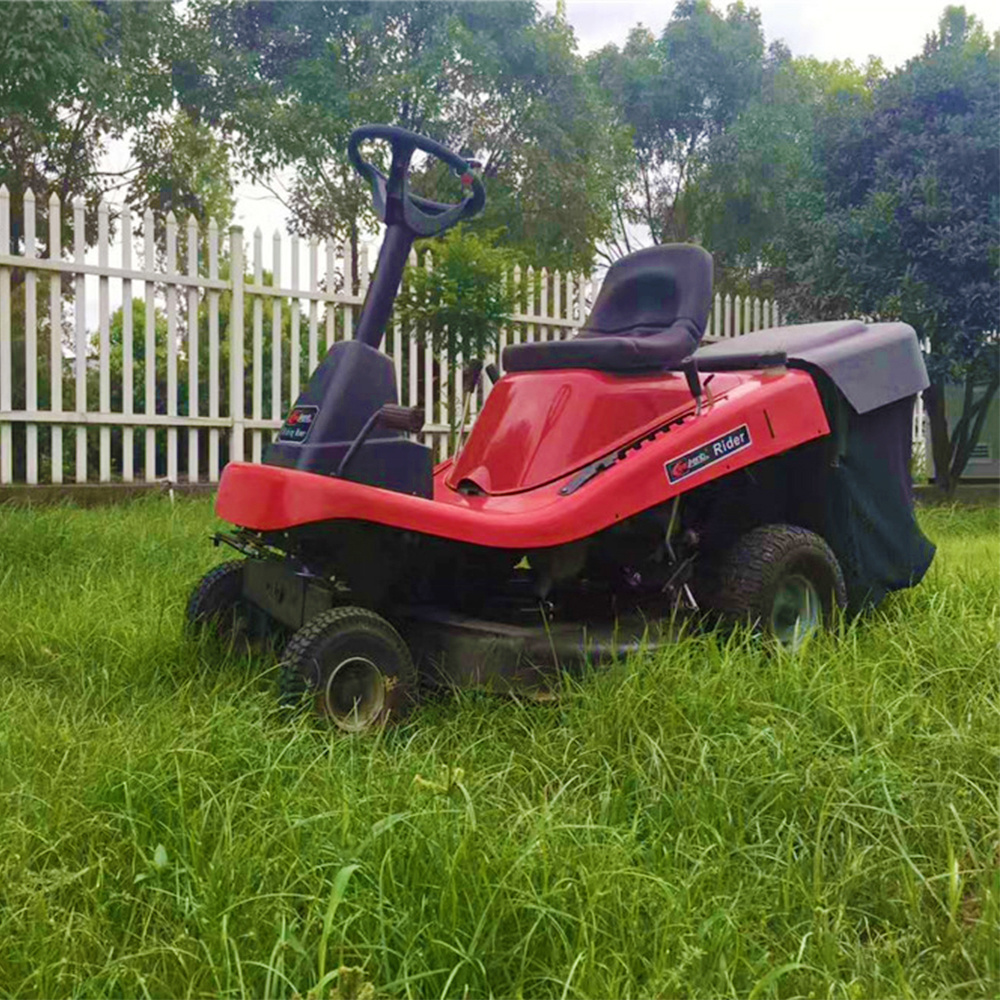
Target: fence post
(149,374)
(331,325)
(558,332)
(531,287)
(6,435)
(30,341)
(276,410)
(55,336)
(348,289)
(313,359)
(171,345)
(543,302)
(256,398)
(80,303)
(128,353)
(192,348)
(236,435)
(213,350)
(104,340)
(295,362)
(412,347)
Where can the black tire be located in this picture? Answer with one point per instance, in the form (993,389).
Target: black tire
(352,666)
(216,605)
(783,579)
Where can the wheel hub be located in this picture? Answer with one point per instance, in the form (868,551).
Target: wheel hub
(354,695)
(796,611)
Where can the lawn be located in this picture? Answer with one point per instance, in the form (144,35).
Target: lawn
(710,821)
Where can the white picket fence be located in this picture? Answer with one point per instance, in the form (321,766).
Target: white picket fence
(155,440)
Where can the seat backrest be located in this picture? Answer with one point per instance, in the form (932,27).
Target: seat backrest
(651,290)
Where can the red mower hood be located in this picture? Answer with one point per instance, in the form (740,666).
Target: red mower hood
(537,427)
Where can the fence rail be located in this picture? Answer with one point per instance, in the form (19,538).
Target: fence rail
(174,382)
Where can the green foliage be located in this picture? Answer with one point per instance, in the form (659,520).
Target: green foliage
(183,168)
(676,93)
(704,821)
(290,81)
(764,172)
(848,191)
(461,303)
(912,217)
(911,209)
(72,75)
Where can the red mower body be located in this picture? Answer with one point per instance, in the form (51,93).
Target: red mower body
(521,481)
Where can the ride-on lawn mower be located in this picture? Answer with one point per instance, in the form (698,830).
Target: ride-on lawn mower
(611,482)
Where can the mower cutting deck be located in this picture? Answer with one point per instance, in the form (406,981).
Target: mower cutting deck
(612,485)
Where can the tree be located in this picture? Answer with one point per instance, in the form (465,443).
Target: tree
(911,221)
(72,76)
(184,168)
(765,170)
(288,82)
(464,299)
(861,192)
(676,93)
(459,305)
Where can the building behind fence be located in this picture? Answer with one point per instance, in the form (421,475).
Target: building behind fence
(209,382)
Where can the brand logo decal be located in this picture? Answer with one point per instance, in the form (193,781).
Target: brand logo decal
(296,428)
(708,454)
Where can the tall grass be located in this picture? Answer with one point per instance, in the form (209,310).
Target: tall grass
(710,821)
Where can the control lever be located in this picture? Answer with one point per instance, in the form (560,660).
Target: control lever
(471,375)
(690,368)
(389,416)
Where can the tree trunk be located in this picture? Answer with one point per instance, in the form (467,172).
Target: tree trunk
(952,451)
(353,237)
(940,443)
(970,424)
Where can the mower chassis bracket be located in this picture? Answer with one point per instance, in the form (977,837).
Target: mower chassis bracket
(236,542)
(286,596)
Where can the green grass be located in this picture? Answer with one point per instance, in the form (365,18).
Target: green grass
(711,821)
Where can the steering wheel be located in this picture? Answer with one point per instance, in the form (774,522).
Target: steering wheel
(394,202)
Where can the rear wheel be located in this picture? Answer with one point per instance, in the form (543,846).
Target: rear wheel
(352,666)
(217,607)
(781,578)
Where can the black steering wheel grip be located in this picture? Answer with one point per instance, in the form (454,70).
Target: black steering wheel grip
(421,215)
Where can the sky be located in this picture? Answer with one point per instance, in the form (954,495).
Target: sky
(893,30)
(846,29)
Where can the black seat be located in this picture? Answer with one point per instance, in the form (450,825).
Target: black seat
(649,315)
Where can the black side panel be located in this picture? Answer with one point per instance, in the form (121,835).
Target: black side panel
(862,503)
(351,383)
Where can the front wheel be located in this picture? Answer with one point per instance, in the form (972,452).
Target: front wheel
(216,605)
(783,579)
(352,666)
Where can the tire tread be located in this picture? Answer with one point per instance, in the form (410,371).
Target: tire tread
(748,569)
(293,685)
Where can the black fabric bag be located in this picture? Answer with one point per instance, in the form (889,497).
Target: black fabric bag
(867,502)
